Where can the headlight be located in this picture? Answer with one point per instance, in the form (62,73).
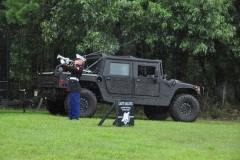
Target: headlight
(197,88)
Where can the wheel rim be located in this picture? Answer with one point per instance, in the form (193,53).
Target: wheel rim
(83,104)
(186,109)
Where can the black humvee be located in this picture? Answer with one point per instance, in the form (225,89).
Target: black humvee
(107,78)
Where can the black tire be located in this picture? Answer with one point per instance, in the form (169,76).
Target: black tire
(156,112)
(52,107)
(184,108)
(61,107)
(88,103)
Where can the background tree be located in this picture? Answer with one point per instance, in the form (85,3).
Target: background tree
(198,41)
(22,20)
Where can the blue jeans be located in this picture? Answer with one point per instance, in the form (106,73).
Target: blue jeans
(74,106)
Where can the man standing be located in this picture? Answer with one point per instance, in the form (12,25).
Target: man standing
(74,87)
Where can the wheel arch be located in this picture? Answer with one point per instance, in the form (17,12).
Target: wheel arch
(93,87)
(190,91)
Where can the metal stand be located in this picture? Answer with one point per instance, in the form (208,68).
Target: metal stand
(23,103)
(107,114)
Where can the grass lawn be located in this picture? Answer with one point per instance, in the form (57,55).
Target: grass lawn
(39,135)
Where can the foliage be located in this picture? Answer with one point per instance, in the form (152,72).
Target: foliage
(23,12)
(202,23)
(82,32)
(23,21)
(198,41)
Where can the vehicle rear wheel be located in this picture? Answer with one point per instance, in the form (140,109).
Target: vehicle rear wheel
(52,107)
(185,108)
(88,103)
(156,112)
(61,107)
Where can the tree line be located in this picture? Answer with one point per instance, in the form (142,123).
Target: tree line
(198,41)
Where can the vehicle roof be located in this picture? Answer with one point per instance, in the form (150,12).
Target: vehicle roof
(115,57)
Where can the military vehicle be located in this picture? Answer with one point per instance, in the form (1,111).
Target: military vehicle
(107,78)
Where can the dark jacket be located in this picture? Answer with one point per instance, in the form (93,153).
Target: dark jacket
(74,79)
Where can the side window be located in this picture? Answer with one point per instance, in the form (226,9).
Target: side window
(121,69)
(146,71)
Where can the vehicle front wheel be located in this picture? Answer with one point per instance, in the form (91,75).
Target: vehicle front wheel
(156,112)
(185,108)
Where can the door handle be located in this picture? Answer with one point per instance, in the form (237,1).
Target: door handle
(108,78)
(138,80)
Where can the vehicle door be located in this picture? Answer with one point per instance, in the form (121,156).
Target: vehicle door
(145,81)
(118,77)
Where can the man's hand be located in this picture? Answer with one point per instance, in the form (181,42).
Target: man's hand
(62,61)
(67,60)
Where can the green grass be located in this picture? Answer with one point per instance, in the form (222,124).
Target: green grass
(39,135)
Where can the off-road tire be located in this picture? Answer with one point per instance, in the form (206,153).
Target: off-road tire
(184,108)
(61,107)
(88,103)
(156,112)
(52,107)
